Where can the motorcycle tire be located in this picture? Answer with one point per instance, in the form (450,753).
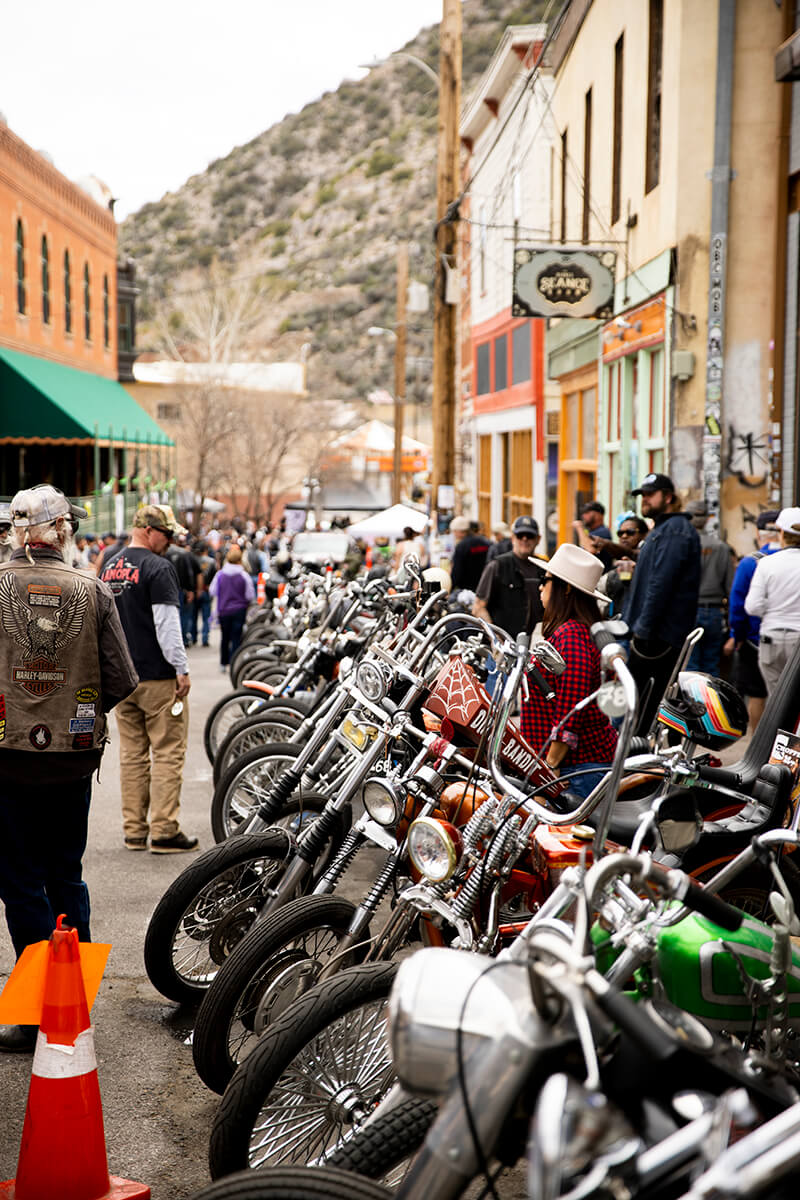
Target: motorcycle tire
(244,785)
(274,723)
(325,1043)
(265,969)
(294,1183)
(226,877)
(382,1146)
(751,889)
(260,669)
(230,708)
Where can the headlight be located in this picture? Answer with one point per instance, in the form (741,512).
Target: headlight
(434,848)
(382,800)
(371,680)
(438,992)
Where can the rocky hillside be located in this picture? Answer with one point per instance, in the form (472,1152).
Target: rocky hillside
(312,211)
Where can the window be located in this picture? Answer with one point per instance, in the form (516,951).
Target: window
(616,153)
(45,281)
(521,353)
(124,325)
(501,363)
(87,303)
(587,165)
(564,186)
(168,412)
(654,81)
(485,480)
(106,321)
(67,294)
(21,297)
(484,385)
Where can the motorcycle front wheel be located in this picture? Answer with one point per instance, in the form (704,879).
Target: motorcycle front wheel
(246,783)
(313,1077)
(226,712)
(275,722)
(276,962)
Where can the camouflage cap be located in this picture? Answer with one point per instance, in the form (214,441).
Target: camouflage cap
(41,505)
(158,516)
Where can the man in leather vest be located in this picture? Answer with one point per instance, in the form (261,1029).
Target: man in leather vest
(508,590)
(64,663)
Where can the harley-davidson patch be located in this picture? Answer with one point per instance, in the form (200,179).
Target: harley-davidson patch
(41,628)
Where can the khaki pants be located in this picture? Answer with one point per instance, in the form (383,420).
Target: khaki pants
(774,653)
(152,749)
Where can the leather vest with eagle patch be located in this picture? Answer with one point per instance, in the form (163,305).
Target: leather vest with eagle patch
(49,659)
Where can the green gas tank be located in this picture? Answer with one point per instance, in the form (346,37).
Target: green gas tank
(700,975)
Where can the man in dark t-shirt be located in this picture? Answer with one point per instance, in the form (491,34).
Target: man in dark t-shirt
(153,722)
(469,555)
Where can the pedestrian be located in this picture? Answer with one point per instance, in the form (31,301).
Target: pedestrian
(5,533)
(717,567)
(586,741)
(232,588)
(507,594)
(662,600)
(744,629)
(108,539)
(153,723)
(774,596)
(201,614)
(410,545)
(501,541)
(190,581)
(631,532)
(469,555)
(64,663)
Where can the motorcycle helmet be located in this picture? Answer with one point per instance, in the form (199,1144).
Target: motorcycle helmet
(706,709)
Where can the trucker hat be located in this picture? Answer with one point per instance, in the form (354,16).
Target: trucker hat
(525,525)
(788,519)
(158,516)
(654,483)
(41,505)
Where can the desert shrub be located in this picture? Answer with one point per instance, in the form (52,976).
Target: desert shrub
(288,183)
(402,173)
(380,160)
(326,193)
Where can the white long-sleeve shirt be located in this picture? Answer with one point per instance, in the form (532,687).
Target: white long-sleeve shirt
(774,592)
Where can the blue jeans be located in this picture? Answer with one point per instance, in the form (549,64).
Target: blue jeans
(706,654)
(186,611)
(582,785)
(231,627)
(202,611)
(43,832)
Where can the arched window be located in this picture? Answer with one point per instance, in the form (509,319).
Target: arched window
(21,299)
(106,310)
(87,304)
(67,294)
(45,281)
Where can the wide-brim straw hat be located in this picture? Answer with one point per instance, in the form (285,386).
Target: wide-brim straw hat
(576,567)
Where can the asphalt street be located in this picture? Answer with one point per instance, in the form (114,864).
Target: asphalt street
(157,1112)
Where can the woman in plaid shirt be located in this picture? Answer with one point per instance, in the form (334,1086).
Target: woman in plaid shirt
(588,738)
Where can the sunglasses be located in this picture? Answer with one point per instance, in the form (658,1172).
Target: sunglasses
(547,579)
(526,537)
(628,532)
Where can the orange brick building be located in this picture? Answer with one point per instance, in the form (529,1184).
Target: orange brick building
(64,418)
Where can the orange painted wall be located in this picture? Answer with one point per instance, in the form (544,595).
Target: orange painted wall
(531,391)
(49,204)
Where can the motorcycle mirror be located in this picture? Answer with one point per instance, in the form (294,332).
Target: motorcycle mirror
(549,658)
(413,567)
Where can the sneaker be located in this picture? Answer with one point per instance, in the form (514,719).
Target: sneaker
(137,843)
(17,1039)
(174,845)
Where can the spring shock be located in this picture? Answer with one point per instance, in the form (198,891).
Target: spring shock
(341,861)
(381,884)
(464,902)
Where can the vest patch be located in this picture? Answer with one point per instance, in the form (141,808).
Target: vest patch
(2,716)
(87,695)
(40,737)
(41,634)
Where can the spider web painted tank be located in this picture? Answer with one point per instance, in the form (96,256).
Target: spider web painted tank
(701,977)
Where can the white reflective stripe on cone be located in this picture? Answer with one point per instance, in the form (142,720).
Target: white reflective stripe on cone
(54,1061)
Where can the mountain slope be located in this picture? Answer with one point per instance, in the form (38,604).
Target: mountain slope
(313,209)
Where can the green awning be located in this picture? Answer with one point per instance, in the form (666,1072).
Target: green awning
(43,401)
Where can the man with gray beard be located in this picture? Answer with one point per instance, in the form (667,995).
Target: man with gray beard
(64,663)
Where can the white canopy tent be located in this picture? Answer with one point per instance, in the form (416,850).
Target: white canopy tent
(389,524)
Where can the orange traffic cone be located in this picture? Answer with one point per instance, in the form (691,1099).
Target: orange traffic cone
(63,1151)
(368,558)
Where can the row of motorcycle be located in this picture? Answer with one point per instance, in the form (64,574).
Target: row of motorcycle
(425,968)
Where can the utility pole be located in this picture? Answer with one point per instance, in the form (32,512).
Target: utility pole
(399,369)
(445,337)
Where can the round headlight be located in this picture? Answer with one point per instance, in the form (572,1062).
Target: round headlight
(434,848)
(371,680)
(382,801)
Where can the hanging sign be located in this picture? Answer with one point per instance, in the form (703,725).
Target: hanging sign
(563,281)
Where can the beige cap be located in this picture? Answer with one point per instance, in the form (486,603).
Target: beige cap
(158,516)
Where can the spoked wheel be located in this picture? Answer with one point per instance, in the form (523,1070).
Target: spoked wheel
(246,784)
(206,911)
(312,1079)
(226,712)
(275,722)
(294,1183)
(277,962)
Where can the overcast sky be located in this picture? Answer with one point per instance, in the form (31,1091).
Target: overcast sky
(144,95)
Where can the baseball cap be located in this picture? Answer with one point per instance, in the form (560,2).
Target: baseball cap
(525,525)
(158,516)
(767,519)
(654,483)
(788,519)
(41,505)
(5,514)
(459,524)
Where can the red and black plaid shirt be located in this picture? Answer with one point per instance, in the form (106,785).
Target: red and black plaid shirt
(590,736)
